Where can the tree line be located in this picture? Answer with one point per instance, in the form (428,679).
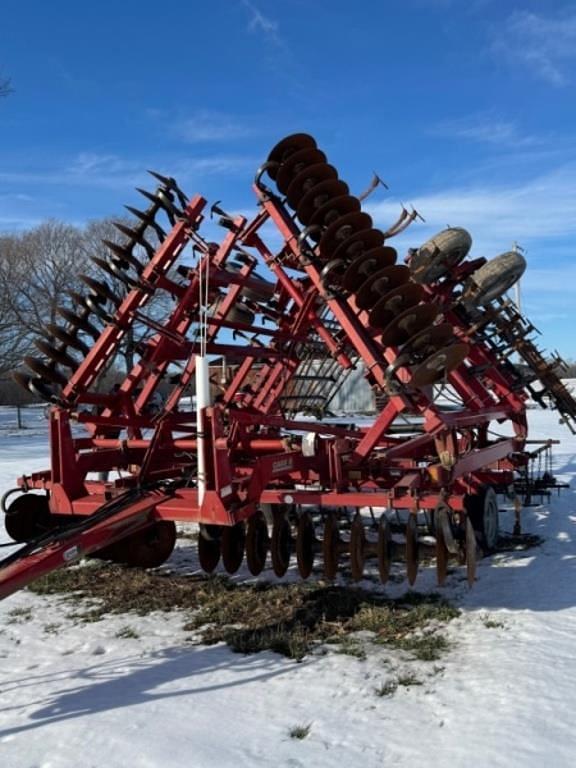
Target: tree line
(40,271)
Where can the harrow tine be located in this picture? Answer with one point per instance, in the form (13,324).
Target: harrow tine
(376,181)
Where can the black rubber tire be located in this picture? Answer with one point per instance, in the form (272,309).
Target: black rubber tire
(27,517)
(440,254)
(496,277)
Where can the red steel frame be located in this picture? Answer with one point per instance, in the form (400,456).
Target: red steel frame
(249,461)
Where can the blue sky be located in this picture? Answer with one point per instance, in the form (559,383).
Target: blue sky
(466,108)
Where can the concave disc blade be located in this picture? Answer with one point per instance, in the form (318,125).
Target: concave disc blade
(233,543)
(341,230)
(307,179)
(411,549)
(393,303)
(287,146)
(318,196)
(367,264)
(408,323)
(357,548)
(441,362)
(305,545)
(380,284)
(361,242)
(295,164)
(334,209)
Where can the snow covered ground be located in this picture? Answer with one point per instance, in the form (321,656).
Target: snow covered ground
(91,695)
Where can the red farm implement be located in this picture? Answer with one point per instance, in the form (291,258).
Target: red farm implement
(293,300)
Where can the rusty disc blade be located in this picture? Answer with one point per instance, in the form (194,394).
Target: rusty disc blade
(55,354)
(362,242)
(306,179)
(67,338)
(152,546)
(79,322)
(305,545)
(367,264)
(46,372)
(408,323)
(442,529)
(280,545)
(429,340)
(331,546)
(341,230)
(40,388)
(411,549)
(334,209)
(357,548)
(318,196)
(257,541)
(288,146)
(208,551)
(22,379)
(331,275)
(470,552)
(438,364)
(384,548)
(295,164)
(380,283)
(233,543)
(394,302)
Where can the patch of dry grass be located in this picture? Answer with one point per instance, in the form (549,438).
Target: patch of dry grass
(290,619)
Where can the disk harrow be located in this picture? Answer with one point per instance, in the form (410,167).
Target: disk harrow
(241,458)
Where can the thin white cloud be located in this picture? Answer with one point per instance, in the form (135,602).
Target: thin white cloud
(261,24)
(546,45)
(538,214)
(206,126)
(113,172)
(485,128)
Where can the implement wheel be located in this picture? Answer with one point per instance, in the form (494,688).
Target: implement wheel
(28,517)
